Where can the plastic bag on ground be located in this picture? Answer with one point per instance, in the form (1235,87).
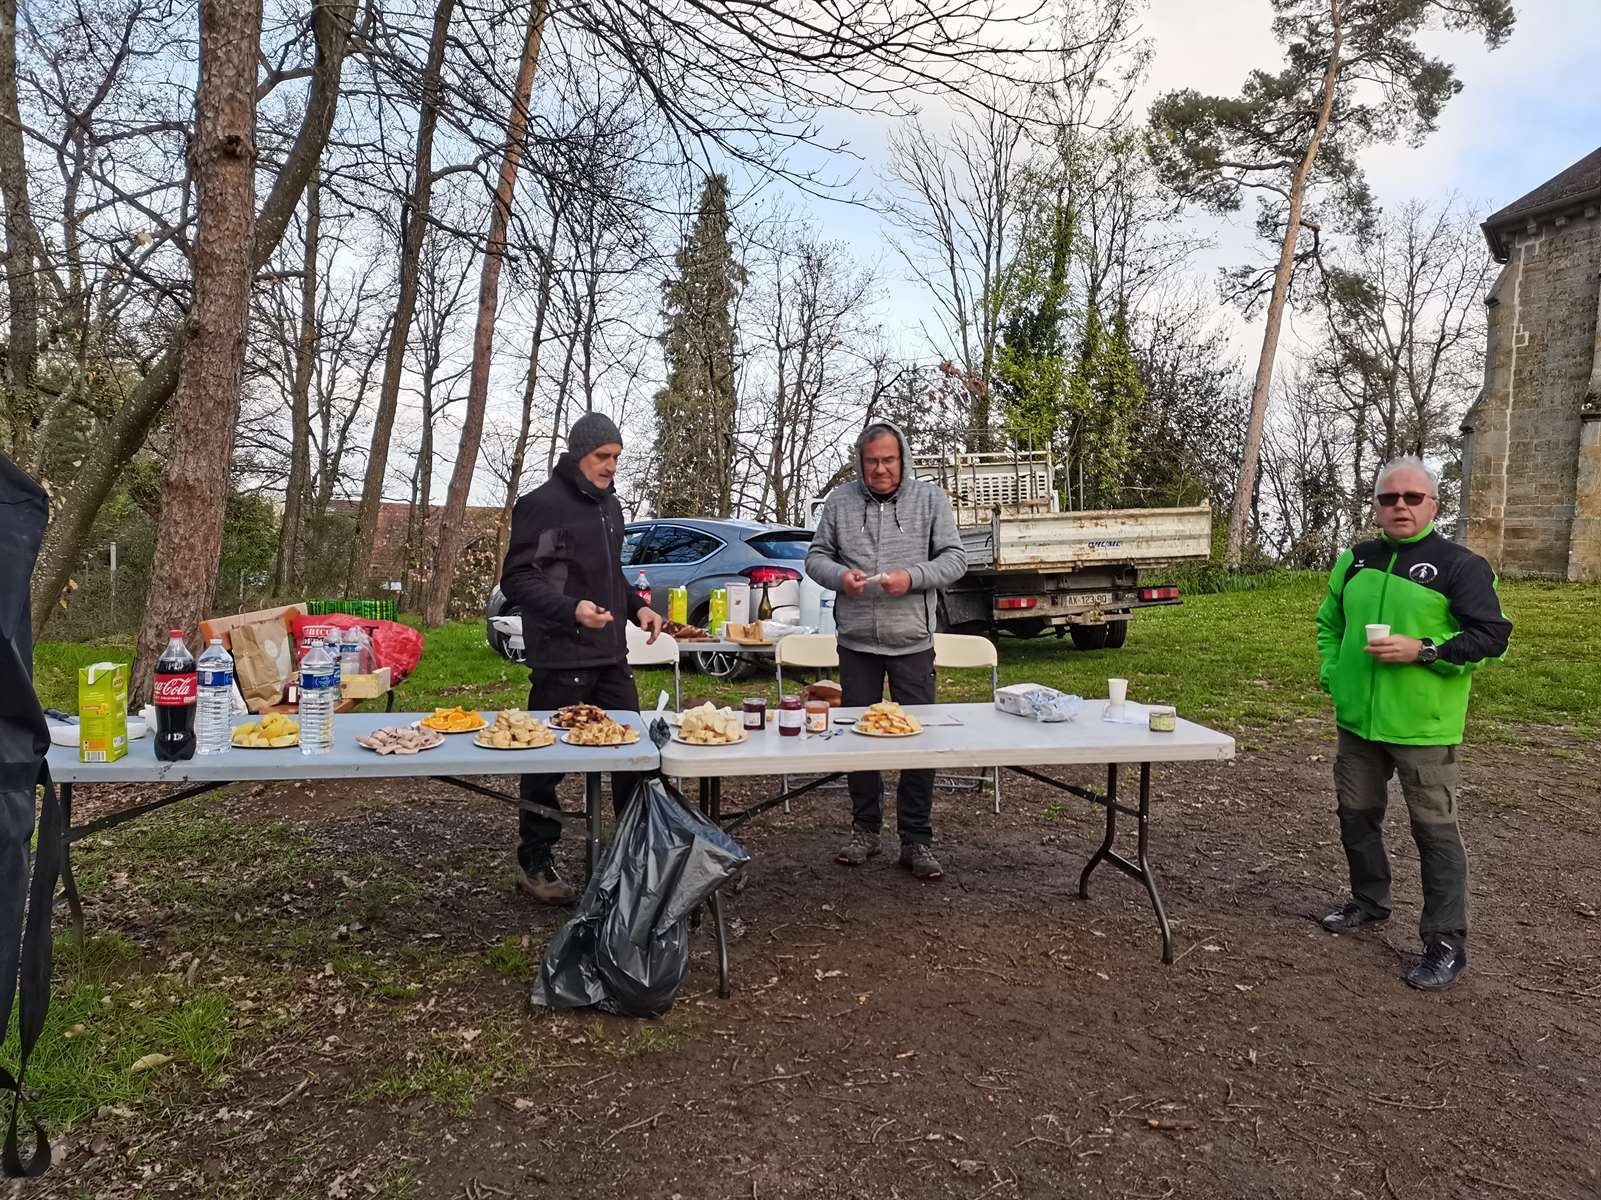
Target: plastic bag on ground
(627,950)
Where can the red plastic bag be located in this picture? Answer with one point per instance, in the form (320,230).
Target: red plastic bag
(396,646)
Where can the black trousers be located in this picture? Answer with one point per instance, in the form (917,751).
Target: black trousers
(551,688)
(911,681)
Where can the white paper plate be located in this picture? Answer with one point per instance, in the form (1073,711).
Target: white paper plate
(69,735)
(679,737)
(876,733)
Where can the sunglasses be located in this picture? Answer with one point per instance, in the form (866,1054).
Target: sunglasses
(1391,499)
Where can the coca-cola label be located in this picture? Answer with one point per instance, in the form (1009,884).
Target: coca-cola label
(175,691)
(218,677)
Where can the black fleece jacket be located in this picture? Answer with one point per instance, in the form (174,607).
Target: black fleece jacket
(566,546)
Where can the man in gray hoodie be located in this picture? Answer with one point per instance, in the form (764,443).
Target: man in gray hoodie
(887,544)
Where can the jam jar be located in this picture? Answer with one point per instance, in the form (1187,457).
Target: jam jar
(790,716)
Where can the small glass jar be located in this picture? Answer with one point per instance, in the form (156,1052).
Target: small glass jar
(790,716)
(817,716)
(1162,718)
(755,710)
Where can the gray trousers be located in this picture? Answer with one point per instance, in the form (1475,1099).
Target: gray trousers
(1429,776)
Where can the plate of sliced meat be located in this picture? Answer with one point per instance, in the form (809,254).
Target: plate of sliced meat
(686,633)
(401,739)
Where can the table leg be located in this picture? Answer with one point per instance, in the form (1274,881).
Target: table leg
(711,807)
(592,810)
(69,885)
(1109,840)
(1145,873)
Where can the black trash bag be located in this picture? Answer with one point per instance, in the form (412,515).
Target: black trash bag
(25,949)
(627,950)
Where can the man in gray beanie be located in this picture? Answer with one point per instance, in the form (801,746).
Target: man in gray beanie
(564,571)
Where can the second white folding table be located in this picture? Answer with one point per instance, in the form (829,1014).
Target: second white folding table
(959,736)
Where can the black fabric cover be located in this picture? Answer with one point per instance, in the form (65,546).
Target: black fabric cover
(25,948)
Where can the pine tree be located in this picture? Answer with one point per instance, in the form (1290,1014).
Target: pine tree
(695,411)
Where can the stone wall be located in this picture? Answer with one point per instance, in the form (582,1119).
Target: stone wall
(1522,507)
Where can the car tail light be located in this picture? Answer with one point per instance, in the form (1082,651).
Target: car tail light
(771,575)
(1017,602)
(1159,593)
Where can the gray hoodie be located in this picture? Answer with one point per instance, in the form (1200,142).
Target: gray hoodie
(913,530)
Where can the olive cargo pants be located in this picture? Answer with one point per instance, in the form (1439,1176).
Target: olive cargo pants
(1428,775)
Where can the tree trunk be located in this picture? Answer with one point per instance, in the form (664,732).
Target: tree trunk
(22,350)
(519,454)
(452,521)
(288,568)
(125,433)
(413,230)
(195,489)
(1244,493)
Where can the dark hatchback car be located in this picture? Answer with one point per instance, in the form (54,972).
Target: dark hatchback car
(698,555)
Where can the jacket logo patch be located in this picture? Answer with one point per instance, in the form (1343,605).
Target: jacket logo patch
(1423,572)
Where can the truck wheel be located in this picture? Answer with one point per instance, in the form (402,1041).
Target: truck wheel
(1089,637)
(1116,634)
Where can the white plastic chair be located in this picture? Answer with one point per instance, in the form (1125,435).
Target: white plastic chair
(964,652)
(808,652)
(643,653)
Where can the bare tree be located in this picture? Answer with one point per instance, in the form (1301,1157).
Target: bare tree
(452,521)
(286,571)
(195,486)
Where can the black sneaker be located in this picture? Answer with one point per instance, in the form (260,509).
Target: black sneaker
(859,849)
(1444,958)
(544,884)
(1350,918)
(920,859)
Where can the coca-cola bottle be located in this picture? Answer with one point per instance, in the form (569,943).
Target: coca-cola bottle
(177,689)
(642,589)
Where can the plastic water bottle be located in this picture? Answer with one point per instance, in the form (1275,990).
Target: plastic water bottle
(349,652)
(319,691)
(214,708)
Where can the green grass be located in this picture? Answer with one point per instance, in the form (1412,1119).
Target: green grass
(510,956)
(105,1016)
(1241,657)
(448,1081)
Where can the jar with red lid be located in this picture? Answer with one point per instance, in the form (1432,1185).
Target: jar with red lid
(791,717)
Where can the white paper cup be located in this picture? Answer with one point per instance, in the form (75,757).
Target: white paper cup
(1117,691)
(1375,632)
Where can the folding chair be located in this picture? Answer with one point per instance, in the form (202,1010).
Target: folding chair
(959,651)
(807,651)
(642,653)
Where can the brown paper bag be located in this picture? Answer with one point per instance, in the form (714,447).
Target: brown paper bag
(262,662)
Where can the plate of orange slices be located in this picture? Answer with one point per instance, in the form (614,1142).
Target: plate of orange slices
(454,720)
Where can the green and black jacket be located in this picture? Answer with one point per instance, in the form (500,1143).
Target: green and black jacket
(1424,587)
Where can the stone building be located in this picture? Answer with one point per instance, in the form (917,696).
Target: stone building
(1531,455)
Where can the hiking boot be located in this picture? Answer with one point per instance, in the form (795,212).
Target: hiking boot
(1349,918)
(920,858)
(1444,958)
(543,883)
(862,846)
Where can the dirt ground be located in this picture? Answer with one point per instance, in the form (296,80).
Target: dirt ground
(987,1036)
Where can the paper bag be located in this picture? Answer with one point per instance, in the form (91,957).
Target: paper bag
(262,662)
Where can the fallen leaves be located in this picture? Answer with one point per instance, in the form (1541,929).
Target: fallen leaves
(149,1063)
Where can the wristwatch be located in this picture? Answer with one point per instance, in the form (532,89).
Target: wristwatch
(1427,652)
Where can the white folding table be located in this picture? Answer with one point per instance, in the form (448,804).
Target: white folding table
(455,762)
(963,736)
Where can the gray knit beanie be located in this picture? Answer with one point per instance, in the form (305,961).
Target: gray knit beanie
(590,432)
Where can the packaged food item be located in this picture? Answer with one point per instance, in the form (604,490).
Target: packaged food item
(1162,718)
(678,605)
(755,710)
(102,712)
(1037,701)
(718,615)
(817,715)
(790,716)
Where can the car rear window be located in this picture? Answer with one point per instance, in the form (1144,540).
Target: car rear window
(791,544)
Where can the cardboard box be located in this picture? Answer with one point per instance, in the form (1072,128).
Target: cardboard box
(102,712)
(365,687)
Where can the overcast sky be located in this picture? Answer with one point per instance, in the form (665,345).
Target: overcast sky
(1526,112)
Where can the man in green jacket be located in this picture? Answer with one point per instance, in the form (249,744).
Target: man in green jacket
(1408,618)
